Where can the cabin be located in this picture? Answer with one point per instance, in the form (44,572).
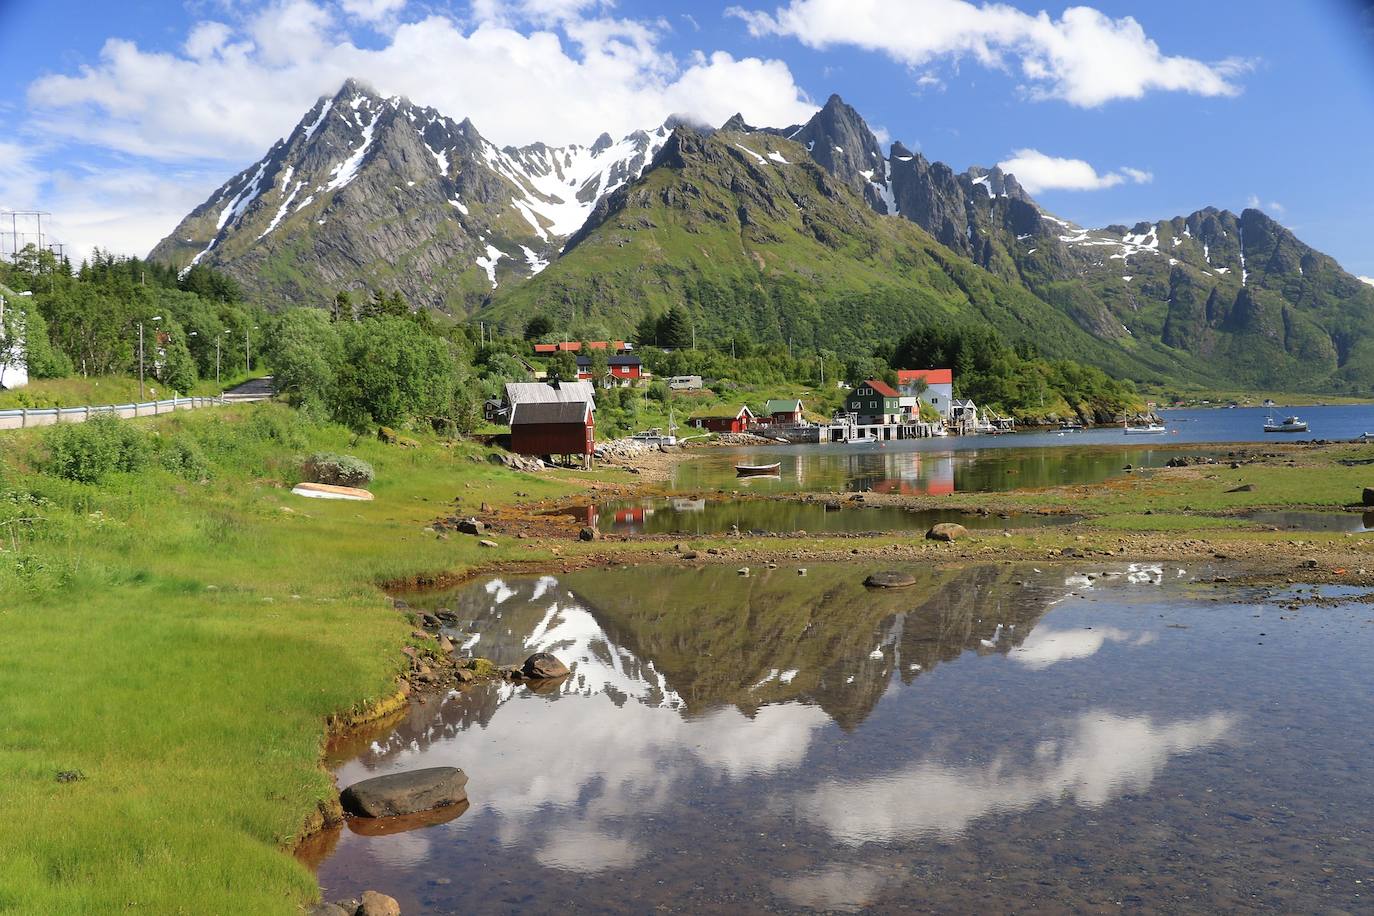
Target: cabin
(938,390)
(723,421)
(564,428)
(685,383)
(14,369)
(494,410)
(963,415)
(784,411)
(550,393)
(622,371)
(876,403)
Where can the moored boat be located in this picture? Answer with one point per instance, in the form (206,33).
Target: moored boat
(1289,425)
(1150,429)
(750,470)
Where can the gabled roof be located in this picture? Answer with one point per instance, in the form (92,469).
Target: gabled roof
(782,405)
(882,388)
(961,402)
(722,413)
(542,393)
(929,376)
(560,412)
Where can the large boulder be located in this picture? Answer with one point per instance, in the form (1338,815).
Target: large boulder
(472,526)
(589,534)
(375,904)
(406,793)
(890,579)
(946,531)
(542,665)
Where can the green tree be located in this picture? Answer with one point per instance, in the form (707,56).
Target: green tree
(675,328)
(392,372)
(305,350)
(599,362)
(562,367)
(537,327)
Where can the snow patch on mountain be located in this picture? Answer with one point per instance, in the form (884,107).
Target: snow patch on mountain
(488,263)
(346,171)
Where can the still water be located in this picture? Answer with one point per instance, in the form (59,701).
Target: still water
(682,515)
(909,468)
(993,739)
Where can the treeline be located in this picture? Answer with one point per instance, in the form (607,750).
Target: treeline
(87,320)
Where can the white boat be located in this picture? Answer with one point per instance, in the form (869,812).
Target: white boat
(1149,429)
(654,437)
(749,470)
(1289,425)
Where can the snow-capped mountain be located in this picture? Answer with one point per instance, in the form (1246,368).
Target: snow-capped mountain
(371,191)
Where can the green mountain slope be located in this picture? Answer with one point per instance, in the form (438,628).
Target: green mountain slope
(754,237)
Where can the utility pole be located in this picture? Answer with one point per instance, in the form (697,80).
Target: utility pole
(141,393)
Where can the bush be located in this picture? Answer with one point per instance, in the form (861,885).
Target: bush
(185,459)
(340,470)
(86,452)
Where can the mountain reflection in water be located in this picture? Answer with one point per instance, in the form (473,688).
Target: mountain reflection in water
(730,743)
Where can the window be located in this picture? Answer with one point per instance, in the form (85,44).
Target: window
(872,404)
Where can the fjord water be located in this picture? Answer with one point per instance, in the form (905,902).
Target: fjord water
(682,515)
(1007,462)
(994,738)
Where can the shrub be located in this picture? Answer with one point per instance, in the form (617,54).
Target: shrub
(185,459)
(86,452)
(340,470)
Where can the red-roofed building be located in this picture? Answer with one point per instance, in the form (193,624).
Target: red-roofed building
(573,346)
(938,391)
(875,402)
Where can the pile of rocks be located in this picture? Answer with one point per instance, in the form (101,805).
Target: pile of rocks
(370,904)
(526,463)
(623,449)
(741,439)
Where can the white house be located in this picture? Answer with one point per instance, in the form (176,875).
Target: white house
(938,391)
(14,369)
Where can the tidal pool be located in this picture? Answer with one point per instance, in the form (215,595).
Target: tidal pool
(1355,523)
(680,515)
(995,738)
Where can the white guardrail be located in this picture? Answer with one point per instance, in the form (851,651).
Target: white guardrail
(50,416)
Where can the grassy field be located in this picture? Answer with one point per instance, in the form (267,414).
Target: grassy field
(180,643)
(78,391)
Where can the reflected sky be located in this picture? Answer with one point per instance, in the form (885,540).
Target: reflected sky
(730,744)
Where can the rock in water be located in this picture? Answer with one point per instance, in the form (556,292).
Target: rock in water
(946,531)
(406,793)
(890,579)
(542,665)
(375,904)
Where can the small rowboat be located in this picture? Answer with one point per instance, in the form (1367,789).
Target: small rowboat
(750,470)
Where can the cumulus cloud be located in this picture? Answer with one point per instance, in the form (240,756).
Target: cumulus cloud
(1038,172)
(1369,280)
(1084,57)
(233,87)
(1254,203)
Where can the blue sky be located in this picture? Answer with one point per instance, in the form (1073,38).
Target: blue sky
(119,118)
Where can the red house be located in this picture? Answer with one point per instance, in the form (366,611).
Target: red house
(724,421)
(623,368)
(564,428)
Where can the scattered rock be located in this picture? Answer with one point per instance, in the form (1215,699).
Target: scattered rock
(946,531)
(471,526)
(486,543)
(330,909)
(70,776)
(375,904)
(1309,564)
(689,555)
(542,665)
(588,534)
(801,571)
(890,579)
(405,793)
(428,621)
(832,505)
(743,570)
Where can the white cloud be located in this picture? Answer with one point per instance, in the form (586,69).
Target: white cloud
(233,88)
(1038,172)
(1369,280)
(1085,57)
(1254,203)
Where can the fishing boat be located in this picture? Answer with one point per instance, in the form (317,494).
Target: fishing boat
(655,436)
(1150,429)
(754,470)
(1070,426)
(1289,425)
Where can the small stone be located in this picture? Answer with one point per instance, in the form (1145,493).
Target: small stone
(485,543)
(801,571)
(588,534)
(542,665)
(329,909)
(743,570)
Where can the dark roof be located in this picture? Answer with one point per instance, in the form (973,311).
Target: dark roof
(553,412)
(882,388)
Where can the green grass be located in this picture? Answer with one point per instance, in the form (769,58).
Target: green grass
(182,643)
(79,391)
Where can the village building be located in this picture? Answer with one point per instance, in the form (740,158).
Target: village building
(623,370)
(548,393)
(938,391)
(783,410)
(573,346)
(548,429)
(723,421)
(963,416)
(875,403)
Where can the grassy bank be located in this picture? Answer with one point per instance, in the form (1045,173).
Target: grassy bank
(97,390)
(180,643)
